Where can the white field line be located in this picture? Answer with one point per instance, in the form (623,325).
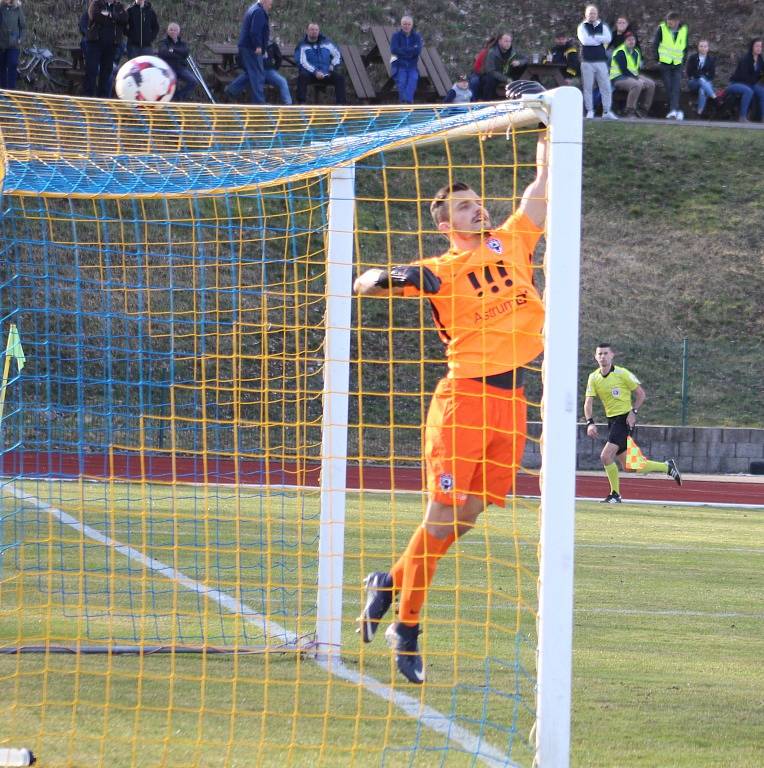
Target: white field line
(414,708)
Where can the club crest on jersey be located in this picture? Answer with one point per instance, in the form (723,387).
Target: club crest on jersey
(615,392)
(446,482)
(494,244)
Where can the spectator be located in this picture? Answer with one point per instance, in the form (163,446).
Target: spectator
(670,46)
(272,62)
(701,68)
(83,28)
(624,75)
(175,52)
(564,52)
(318,59)
(107,20)
(253,45)
(622,26)
(502,65)
(595,36)
(142,29)
(11,32)
(478,64)
(745,80)
(460,92)
(406,47)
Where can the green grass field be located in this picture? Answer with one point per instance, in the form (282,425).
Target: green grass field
(667,640)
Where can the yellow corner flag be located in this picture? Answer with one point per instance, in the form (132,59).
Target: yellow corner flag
(13,351)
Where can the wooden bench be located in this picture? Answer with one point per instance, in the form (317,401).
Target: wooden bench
(436,71)
(356,71)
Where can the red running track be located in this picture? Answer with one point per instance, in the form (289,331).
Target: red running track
(164,468)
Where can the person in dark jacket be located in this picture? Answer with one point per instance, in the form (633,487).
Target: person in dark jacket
(595,36)
(502,65)
(746,79)
(564,52)
(253,45)
(107,20)
(620,28)
(11,32)
(175,52)
(406,47)
(701,68)
(318,60)
(142,29)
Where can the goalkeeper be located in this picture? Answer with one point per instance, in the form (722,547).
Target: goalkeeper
(489,316)
(614,385)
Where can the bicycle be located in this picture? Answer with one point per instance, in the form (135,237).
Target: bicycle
(41,71)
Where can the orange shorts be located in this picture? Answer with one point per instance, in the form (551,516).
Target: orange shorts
(474,441)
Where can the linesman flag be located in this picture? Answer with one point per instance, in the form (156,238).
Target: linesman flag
(635,459)
(13,348)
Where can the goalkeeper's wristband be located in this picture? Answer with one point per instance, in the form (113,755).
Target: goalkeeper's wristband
(589,421)
(420,277)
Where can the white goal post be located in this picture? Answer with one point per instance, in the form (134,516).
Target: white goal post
(561,109)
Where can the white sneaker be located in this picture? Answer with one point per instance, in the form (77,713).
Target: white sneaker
(610,116)
(679,114)
(671,115)
(590,114)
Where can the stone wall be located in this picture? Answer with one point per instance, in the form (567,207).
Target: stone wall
(699,450)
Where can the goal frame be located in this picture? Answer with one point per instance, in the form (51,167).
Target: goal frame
(561,109)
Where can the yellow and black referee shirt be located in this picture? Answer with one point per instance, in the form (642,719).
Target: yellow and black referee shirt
(614,389)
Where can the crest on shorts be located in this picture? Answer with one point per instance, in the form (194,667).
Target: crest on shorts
(446,482)
(494,244)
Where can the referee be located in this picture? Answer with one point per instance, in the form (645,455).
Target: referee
(614,385)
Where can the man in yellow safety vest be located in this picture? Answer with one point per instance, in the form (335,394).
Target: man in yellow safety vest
(624,76)
(670,46)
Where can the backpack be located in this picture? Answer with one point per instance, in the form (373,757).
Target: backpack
(477,66)
(273,55)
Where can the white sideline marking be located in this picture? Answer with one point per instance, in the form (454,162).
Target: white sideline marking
(427,716)
(672,612)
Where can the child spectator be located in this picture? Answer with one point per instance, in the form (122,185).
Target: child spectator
(701,68)
(460,92)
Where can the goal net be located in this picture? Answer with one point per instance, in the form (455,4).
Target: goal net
(207,441)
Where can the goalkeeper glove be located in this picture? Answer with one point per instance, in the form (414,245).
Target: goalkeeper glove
(420,277)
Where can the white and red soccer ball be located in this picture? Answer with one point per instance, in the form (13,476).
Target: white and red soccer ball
(145,78)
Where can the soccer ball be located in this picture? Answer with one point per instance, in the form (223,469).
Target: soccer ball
(145,78)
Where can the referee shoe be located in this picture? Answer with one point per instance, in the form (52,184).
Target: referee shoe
(402,638)
(612,498)
(672,471)
(379,597)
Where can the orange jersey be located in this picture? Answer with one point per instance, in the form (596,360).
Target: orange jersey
(488,312)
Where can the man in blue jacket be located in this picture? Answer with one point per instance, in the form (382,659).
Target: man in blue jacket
(253,44)
(406,47)
(318,59)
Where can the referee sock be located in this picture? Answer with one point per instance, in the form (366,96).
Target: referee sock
(653,466)
(611,470)
(414,571)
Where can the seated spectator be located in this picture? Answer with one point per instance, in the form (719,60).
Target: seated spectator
(620,28)
(594,36)
(701,68)
(272,63)
(564,52)
(670,45)
(318,59)
(11,31)
(142,29)
(406,47)
(745,80)
(477,66)
(175,52)
(460,92)
(502,65)
(624,75)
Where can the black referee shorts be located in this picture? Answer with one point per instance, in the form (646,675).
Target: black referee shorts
(618,432)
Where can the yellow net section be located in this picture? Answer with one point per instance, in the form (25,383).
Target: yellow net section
(162,446)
